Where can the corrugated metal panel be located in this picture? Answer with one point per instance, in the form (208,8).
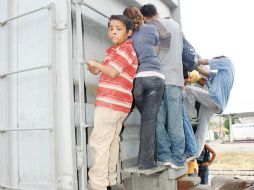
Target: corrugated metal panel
(29,135)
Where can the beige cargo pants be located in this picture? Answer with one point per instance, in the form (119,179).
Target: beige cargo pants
(104,145)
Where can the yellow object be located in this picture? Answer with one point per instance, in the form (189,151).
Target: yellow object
(192,167)
(193,76)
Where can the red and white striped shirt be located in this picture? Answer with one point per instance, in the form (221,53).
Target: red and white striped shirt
(115,93)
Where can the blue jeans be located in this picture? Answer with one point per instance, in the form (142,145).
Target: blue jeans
(147,92)
(170,133)
(203,173)
(190,141)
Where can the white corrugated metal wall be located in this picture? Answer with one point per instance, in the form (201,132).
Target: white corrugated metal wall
(36,148)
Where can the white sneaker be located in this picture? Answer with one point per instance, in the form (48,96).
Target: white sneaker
(164,163)
(176,167)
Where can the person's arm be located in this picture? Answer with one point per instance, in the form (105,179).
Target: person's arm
(202,71)
(156,40)
(203,62)
(105,69)
(212,153)
(201,82)
(93,70)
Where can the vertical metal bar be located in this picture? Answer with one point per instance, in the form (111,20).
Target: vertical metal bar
(53,95)
(82,112)
(230,128)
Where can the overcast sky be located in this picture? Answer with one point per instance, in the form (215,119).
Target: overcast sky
(216,27)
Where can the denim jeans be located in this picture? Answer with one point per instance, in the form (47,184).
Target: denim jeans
(206,111)
(148,93)
(170,133)
(203,173)
(190,141)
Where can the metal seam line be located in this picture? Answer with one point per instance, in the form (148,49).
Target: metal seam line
(25,70)
(24,14)
(24,129)
(82,3)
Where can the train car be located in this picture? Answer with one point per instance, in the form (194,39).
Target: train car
(47,95)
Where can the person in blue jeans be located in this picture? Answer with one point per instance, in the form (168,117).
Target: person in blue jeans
(215,98)
(204,161)
(170,136)
(190,141)
(148,84)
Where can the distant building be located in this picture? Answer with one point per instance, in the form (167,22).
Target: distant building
(219,133)
(242,131)
(241,125)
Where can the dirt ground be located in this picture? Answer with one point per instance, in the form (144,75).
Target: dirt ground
(233,156)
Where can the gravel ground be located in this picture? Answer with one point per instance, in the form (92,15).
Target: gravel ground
(233,159)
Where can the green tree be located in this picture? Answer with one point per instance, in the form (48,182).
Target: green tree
(226,123)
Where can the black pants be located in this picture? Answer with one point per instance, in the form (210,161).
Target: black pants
(148,93)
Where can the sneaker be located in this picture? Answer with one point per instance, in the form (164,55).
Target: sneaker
(167,163)
(176,167)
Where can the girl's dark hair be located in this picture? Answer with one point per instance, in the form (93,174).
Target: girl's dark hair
(135,15)
(124,19)
(148,10)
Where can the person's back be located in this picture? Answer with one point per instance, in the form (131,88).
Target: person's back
(144,45)
(148,84)
(170,136)
(171,60)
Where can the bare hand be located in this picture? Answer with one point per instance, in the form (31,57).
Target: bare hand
(90,66)
(206,164)
(93,70)
(92,63)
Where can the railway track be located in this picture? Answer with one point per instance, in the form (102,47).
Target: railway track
(233,172)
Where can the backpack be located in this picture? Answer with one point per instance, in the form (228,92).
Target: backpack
(189,57)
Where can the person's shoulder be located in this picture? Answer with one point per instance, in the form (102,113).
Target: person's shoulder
(127,47)
(169,21)
(128,44)
(149,27)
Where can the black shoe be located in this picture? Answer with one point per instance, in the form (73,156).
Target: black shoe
(108,188)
